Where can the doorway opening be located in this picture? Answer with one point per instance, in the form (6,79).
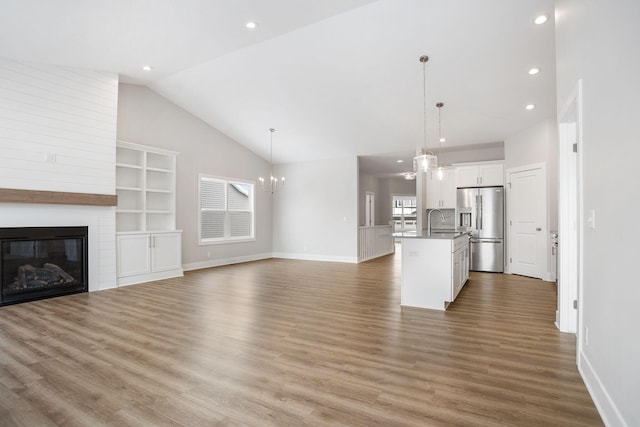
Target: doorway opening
(369,209)
(570,208)
(403,212)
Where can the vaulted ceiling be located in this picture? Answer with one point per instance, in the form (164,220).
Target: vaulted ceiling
(334,77)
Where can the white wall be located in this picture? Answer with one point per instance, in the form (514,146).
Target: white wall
(68,116)
(597,41)
(146,117)
(315,216)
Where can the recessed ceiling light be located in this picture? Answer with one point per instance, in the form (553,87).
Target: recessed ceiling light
(251,25)
(530,107)
(541,19)
(443,139)
(147,68)
(399,161)
(534,71)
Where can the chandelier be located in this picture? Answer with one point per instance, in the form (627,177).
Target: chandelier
(424,159)
(273,184)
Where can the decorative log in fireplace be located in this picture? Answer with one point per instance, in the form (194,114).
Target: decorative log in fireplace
(42,262)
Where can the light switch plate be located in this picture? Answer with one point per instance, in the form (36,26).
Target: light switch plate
(591,218)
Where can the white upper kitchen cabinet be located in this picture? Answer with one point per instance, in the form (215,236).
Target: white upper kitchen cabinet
(480,175)
(441,189)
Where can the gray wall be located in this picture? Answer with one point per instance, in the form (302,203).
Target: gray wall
(147,118)
(597,41)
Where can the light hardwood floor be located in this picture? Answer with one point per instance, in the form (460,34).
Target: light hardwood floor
(283,342)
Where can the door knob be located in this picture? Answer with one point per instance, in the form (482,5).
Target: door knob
(538,229)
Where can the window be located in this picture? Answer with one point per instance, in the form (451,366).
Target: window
(226,210)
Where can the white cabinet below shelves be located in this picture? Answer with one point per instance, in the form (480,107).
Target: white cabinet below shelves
(441,189)
(143,257)
(134,257)
(485,175)
(166,252)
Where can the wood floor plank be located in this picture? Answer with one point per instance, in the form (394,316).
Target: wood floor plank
(284,342)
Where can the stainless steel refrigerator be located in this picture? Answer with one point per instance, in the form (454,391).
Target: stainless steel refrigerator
(481,212)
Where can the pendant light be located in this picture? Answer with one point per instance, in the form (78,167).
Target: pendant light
(424,159)
(273,184)
(440,167)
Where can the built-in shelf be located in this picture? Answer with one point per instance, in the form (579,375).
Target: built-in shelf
(148,244)
(145,184)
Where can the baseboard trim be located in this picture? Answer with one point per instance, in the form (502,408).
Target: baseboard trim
(150,277)
(606,407)
(311,257)
(375,256)
(225,261)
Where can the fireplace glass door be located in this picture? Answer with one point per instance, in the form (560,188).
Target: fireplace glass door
(41,262)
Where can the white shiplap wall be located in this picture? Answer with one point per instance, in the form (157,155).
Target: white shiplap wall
(57,128)
(58,133)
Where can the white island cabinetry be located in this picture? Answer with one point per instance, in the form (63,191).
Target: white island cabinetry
(434,269)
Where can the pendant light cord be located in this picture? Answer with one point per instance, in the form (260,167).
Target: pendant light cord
(272,130)
(440,105)
(424,98)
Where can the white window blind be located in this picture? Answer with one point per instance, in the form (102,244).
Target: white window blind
(226,210)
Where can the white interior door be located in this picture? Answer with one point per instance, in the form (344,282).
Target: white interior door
(528,222)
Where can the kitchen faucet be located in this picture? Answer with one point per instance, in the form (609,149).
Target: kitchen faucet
(429,219)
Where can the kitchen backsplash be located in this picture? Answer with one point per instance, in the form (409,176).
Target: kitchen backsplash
(436,220)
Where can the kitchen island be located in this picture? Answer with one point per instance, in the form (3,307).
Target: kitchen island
(435,267)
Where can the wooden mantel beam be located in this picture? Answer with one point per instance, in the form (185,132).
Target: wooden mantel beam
(9,195)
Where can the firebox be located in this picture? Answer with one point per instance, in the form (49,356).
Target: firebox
(42,262)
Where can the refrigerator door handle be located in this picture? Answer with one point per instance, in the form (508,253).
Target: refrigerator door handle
(480,212)
(476,206)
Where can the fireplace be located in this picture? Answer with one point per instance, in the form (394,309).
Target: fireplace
(42,262)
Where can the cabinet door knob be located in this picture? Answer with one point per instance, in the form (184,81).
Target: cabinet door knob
(538,229)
